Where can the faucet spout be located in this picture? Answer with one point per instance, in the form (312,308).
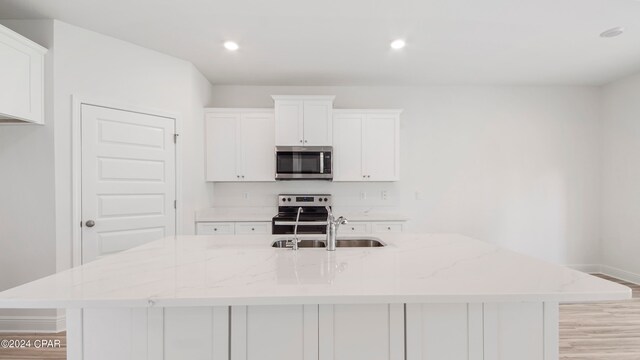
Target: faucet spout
(295,230)
(332,228)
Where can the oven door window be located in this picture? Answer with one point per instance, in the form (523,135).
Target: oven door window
(298,163)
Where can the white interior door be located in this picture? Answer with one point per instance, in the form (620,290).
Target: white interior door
(128,180)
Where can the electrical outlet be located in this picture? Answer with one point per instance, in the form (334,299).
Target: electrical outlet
(363,195)
(245,195)
(418,195)
(383,194)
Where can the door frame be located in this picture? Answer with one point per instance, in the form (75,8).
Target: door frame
(76,162)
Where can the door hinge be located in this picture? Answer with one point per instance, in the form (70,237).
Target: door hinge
(175,138)
(175,204)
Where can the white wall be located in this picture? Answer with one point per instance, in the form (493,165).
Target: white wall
(35,185)
(621,177)
(516,166)
(92,65)
(27,199)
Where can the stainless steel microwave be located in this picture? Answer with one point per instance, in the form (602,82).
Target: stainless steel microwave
(304,163)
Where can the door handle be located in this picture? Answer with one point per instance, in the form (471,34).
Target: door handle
(90,223)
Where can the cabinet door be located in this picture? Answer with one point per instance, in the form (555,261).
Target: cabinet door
(383,227)
(362,331)
(347,147)
(257,147)
(223,156)
(22,78)
(381,147)
(282,332)
(246,228)
(289,123)
(215,228)
(317,122)
(354,228)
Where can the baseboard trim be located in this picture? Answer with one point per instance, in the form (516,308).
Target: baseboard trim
(588,268)
(620,274)
(30,324)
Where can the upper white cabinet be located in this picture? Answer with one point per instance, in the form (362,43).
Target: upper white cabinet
(21,79)
(240,145)
(303,120)
(366,145)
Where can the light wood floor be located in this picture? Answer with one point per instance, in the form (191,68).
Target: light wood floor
(43,353)
(598,331)
(602,331)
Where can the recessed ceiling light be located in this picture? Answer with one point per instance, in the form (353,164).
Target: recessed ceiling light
(613,32)
(231,46)
(398,44)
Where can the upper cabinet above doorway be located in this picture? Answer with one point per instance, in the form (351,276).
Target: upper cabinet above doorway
(21,79)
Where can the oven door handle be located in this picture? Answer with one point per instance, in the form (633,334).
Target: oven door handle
(303,223)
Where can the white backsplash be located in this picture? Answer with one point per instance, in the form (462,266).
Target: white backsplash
(344,194)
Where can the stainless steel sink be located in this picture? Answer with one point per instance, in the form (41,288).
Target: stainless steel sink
(309,243)
(286,243)
(361,243)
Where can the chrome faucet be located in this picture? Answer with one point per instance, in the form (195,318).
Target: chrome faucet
(295,230)
(332,228)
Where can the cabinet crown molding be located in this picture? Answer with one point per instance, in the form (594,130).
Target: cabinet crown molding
(303,97)
(238,110)
(23,40)
(368,111)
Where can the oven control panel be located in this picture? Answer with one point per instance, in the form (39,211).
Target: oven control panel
(304,200)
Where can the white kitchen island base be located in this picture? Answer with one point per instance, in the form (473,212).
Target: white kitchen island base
(457,331)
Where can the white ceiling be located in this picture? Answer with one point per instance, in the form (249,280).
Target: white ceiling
(346,42)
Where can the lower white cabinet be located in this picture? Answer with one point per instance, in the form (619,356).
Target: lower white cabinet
(364,331)
(374,227)
(215,228)
(231,228)
(318,332)
(264,227)
(412,331)
(282,332)
(245,228)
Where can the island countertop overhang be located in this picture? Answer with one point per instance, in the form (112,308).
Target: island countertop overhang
(245,270)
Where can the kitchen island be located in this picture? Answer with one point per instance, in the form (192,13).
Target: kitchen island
(422,296)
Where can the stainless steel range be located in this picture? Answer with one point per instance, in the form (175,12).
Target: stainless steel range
(313,217)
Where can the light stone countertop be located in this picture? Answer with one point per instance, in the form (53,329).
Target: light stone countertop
(246,270)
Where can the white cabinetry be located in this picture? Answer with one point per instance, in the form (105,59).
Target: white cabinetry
(283,332)
(21,79)
(373,227)
(231,228)
(240,145)
(366,145)
(303,120)
(364,331)
(411,331)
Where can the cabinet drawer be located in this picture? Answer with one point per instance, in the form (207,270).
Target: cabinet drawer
(215,229)
(253,228)
(388,227)
(354,228)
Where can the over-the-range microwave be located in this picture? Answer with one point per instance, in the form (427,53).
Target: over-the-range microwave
(304,163)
